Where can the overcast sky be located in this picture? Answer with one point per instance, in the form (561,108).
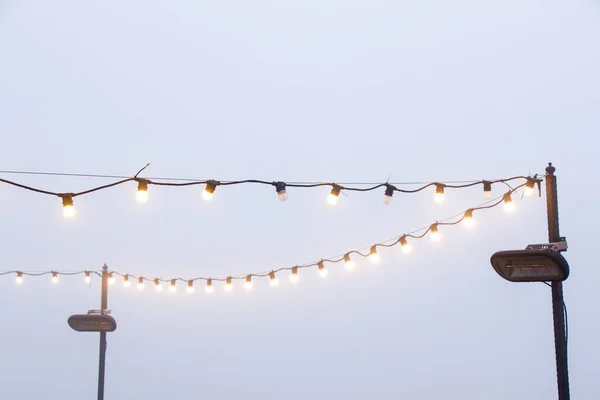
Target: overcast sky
(298,91)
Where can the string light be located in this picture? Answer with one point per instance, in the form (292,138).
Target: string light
(281,192)
(209,287)
(333,196)
(438,197)
(468,220)
(142,191)
(88,277)
(389,192)
(348,263)
(436,236)
(140,283)
(69,210)
(228,284)
(173,286)
(248,283)
(509,206)
(487,190)
(157,285)
(294,276)
(373,255)
(322,270)
(404,245)
(19,278)
(529,187)
(111,278)
(190,286)
(54,277)
(126,281)
(273,279)
(209,190)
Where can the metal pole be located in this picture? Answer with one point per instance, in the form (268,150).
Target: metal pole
(560,342)
(103,308)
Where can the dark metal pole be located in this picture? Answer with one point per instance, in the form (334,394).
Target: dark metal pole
(103,308)
(560,341)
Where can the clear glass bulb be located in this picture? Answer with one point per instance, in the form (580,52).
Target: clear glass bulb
(387,200)
(374,258)
(283,196)
(190,289)
(111,280)
(172,288)
(487,194)
(88,278)
(469,222)
(509,207)
(332,199)
(349,265)
(19,279)
(140,285)
(406,248)
(274,282)
(209,289)
(127,283)
(247,285)
(438,198)
(294,277)
(158,287)
(141,196)
(323,272)
(436,236)
(207,195)
(54,278)
(528,191)
(69,211)
(228,287)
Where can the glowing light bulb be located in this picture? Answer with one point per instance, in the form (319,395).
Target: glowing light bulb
(281,192)
(487,190)
(173,286)
(436,236)
(373,255)
(190,286)
(69,210)
(248,283)
(157,285)
(228,284)
(88,277)
(126,281)
(509,206)
(438,197)
(209,190)
(142,191)
(19,278)
(209,287)
(404,245)
(389,192)
(333,196)
(54,277)
(348,263)
(273,279)
(111,278)
(140,283)
(468,219)
(322,270)
(294,276)
(529,186)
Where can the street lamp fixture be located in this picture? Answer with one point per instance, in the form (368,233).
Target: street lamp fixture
(530,265)
(93,321)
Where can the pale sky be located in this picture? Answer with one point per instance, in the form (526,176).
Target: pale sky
(298,91)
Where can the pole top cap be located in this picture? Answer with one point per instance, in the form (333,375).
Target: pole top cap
(550,169)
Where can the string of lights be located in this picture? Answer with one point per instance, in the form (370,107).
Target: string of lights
(281,187)
(371,253)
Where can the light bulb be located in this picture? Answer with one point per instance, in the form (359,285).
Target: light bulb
(173,286)
(209,190)
(273,279)
(140,283)
(248,283)
(529,187)
(373,255)
(126,281)
(209,287)
(54,277)
(487,190)
(348,263)
(19,278)
(281,192)
(68,207)
(142,192)
(111,278)
(228,284)
(157,285)
(190,286)
(333,196)
(438,197)
(509,206)
(88,277)
(389,192)
(294,276)
(436,236)
(404,245)
(468,219)
(322,270)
